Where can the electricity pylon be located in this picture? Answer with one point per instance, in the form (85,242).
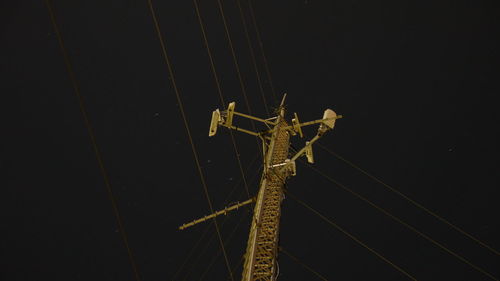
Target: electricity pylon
(262,245)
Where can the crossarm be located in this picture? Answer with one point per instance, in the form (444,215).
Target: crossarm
(303,150)
(309,123)
(218,213)
(255,118)
(242,130)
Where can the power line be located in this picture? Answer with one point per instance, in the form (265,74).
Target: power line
(261,45)
(239,264)
(203,251)
(240,78)
(411,200)
(224,220)
(227,243)
(191,252)
(252,55)
(297,260)
(186,125)
(235,60)
(404,224)
(217,83)
(329,221)
(93,141)
(341,229)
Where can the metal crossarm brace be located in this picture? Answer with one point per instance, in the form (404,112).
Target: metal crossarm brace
(218,213)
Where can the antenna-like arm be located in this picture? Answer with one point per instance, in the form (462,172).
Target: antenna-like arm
(266,121)
(307,149)
(225,119)
(218,213)
(242,130)
(296,127)
(327,123)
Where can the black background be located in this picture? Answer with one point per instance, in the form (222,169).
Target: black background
(415,80)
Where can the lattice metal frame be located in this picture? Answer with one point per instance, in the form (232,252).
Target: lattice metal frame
(260,258)
(262,246)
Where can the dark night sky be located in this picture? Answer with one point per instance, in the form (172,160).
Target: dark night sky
(415,80)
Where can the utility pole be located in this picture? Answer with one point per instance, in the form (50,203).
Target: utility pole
(262,246)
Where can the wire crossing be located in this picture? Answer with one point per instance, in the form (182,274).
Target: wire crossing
(186,125)
(219,90)
(212,236)
(418,205)
(226,201)
(228,240)
(191,252)
(235,61)
(93,140)
(238,71)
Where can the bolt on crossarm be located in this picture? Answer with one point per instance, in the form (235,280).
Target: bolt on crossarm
(262,246)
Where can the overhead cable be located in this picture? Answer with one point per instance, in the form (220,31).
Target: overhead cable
(261,45)
(404,224)
(188,131)
(418,205)
(219,90)
(95,147)
(330,222)
(297,260)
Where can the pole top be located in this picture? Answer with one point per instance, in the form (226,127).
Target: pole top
(282,106)
(283,100)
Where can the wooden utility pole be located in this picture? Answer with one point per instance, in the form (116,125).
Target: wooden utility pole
(262,245)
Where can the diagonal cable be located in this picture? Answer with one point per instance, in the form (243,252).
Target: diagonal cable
(404,224)
(252,55)
(93,141)
(216,78)
(226,201)
(254,176)
(191,252)
(261,45)
(228,240)
(297,260)
(203,251)
(418,205)
(338,227)
(236,65)
(188,131)
(239,264)
(329,221)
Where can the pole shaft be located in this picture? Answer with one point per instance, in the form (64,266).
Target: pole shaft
(260,258)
